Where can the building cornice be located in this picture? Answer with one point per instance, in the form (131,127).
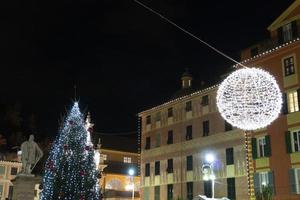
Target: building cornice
(174,101)
(268,52)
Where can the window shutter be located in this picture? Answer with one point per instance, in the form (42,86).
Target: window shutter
(280,35)
(288,142)
(271,181)
(298,96)
(256,182)
(285,104)
(292,179)
(254,148)
(294,29)
(267,147)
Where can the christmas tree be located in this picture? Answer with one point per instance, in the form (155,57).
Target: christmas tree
(70,170)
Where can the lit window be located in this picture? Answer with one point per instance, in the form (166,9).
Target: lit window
(127,160)
(289,66)
(261,143)
(264,179)
(293,101)
(104,156)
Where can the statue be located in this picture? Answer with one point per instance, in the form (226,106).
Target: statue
(31,154)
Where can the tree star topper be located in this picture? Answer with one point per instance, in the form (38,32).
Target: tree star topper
(249,99)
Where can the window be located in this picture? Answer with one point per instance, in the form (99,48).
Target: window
(261,147)
(2,169)
(205,126)
(254,51)
(189,133)
(205,101)
(104,156)
(156,193)
(147,169)
(231,188)
(10,192)
(127,160)
(208,188)
(157,168)
(189,190)
(189,163)
(262,179)
(188,106)
(148,119)
(146,193)
(289,67)
(1,191)
(294,175)
(13,171)
(229,156)
(296,141)
(261,143)
(170,166)
(287,32)
(158,116)
(170,137)
(147,143)
(228,127)
(170,112)
(293,101)
(170,192)
(157,140)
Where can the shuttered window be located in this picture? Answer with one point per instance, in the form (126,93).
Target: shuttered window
(170,192)
(263,179)
(261,147)
(170,166)
(294,179)
(156,193)
(189,190)
(189,163)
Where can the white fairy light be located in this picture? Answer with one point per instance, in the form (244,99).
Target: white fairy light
(249,99)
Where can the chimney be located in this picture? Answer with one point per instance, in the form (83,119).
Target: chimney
(186,79)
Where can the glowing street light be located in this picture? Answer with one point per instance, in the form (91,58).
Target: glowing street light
(131,172)
(208,172)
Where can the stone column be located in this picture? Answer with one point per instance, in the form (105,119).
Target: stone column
(24,187)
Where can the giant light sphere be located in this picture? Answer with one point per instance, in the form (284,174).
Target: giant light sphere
(249,99)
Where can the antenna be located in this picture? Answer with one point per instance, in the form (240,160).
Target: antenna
(75,95)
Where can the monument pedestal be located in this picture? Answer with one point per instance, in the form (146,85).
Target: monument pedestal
(24,187)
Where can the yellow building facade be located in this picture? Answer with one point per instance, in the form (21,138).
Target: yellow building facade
(8,171)
(177,135)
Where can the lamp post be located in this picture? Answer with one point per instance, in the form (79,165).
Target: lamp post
(208,172)
(131,173)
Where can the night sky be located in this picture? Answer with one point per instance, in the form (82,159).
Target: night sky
(122,57)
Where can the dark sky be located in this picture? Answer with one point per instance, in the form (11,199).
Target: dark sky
(122,58)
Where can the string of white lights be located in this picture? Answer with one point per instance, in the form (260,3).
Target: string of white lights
(189,33)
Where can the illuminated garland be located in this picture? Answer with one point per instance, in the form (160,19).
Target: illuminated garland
(249,99)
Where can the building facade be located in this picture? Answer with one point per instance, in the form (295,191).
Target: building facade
(276,149)
(115,162)
(175,138)
(8,171)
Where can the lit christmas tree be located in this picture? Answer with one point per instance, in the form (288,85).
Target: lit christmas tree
(70,171)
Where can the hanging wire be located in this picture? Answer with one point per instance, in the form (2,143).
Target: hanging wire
(189,33)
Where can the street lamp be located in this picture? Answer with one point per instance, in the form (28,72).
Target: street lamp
(208,172)
(131,173)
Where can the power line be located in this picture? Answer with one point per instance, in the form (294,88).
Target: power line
(189,33)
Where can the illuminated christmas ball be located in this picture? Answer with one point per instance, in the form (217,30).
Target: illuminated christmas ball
(249,99)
